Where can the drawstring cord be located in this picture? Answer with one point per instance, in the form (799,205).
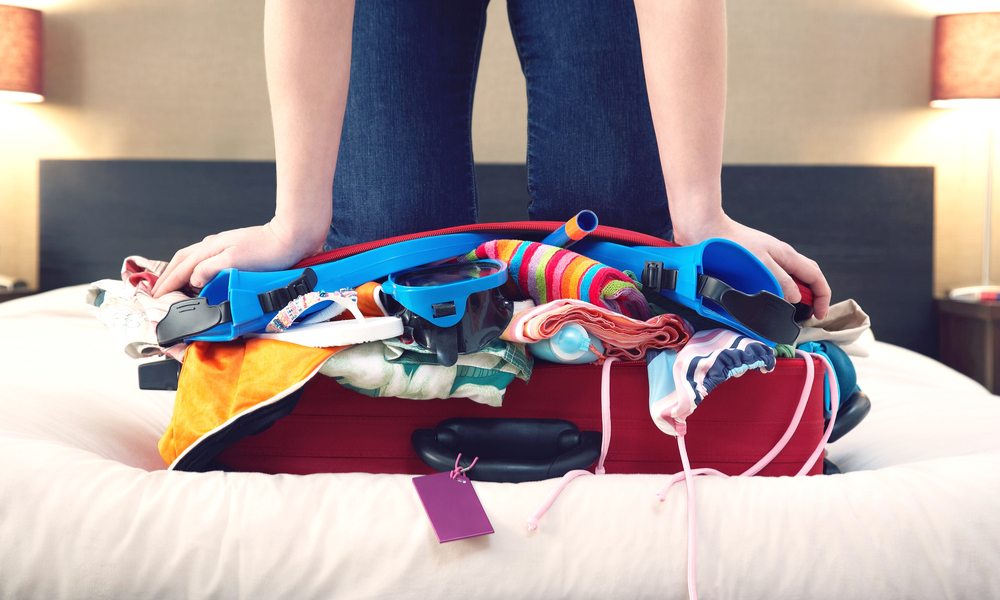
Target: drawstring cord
(605,443)
(459,470)
(834,406)
(605,413)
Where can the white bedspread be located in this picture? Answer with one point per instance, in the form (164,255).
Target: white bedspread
(87,511)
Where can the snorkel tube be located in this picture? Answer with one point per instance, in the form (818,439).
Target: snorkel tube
(572,231)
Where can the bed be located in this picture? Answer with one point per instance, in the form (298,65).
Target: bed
(87,509)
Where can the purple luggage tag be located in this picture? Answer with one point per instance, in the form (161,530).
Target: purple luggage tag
(452,504)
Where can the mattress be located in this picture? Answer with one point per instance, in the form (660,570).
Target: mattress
(87,509)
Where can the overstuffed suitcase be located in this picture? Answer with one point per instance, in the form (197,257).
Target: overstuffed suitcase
(325,427)
(334,429)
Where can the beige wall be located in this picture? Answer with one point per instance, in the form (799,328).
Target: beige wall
(811,82)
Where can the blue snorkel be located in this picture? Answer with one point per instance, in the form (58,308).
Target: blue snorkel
(439,294)
(454,308)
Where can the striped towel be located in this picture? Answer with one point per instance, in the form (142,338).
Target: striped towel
(624,338)
(546,273)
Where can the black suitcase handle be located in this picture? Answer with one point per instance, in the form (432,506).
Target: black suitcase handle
(509,450)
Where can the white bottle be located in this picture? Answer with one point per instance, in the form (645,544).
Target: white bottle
(570,345)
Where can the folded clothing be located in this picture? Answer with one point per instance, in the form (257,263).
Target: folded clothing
(844,325)
(391,368)
(546,273)
(623,337)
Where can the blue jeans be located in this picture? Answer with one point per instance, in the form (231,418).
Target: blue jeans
(406,161)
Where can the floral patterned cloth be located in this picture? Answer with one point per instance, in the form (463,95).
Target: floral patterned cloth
(128,309)
(394,368)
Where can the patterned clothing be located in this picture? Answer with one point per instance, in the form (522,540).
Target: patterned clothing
(679,381)
(129,310)
(390,368)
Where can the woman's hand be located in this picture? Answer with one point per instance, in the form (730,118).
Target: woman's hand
(270,247)
(780,258)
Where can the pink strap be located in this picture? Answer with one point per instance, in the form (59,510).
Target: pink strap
(661,494)
(692,553)
(605,413)
(794,424)
(834,405)
(560,486)
(605,443)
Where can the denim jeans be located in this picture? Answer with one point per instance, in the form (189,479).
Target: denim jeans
(406,159)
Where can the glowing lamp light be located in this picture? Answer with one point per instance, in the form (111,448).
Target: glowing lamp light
(966,74)
(20,54)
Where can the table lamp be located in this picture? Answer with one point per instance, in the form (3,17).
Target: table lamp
(20,54)
(966,74)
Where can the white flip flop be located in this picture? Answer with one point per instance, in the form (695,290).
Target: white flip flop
(337,333)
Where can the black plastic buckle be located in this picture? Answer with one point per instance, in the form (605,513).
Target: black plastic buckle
(444,309)
(278,299)
(763,313)
(190,317)
(159,375)
(656,278)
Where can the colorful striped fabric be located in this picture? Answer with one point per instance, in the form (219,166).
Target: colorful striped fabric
(546,273)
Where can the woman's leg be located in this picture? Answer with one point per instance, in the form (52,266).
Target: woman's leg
(405,161)
(590,135)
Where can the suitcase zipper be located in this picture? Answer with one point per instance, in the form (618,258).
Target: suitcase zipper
(611,234)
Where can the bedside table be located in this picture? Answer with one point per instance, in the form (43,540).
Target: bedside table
(6,295)
(969,339)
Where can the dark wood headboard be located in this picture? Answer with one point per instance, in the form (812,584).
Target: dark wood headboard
(870,228)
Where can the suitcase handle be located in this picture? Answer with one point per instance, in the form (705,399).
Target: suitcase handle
(509,450)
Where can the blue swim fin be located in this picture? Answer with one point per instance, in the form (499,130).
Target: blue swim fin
(717,278)
(237,302)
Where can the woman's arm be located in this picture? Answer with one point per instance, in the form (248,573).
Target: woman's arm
(684,58)
(307,48)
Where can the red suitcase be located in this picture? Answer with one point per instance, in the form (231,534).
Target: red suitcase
(334,429)
(329,428)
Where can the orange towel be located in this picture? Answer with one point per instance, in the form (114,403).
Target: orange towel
(220,380)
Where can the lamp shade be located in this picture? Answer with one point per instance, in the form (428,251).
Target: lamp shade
(20,54)
(966,60)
